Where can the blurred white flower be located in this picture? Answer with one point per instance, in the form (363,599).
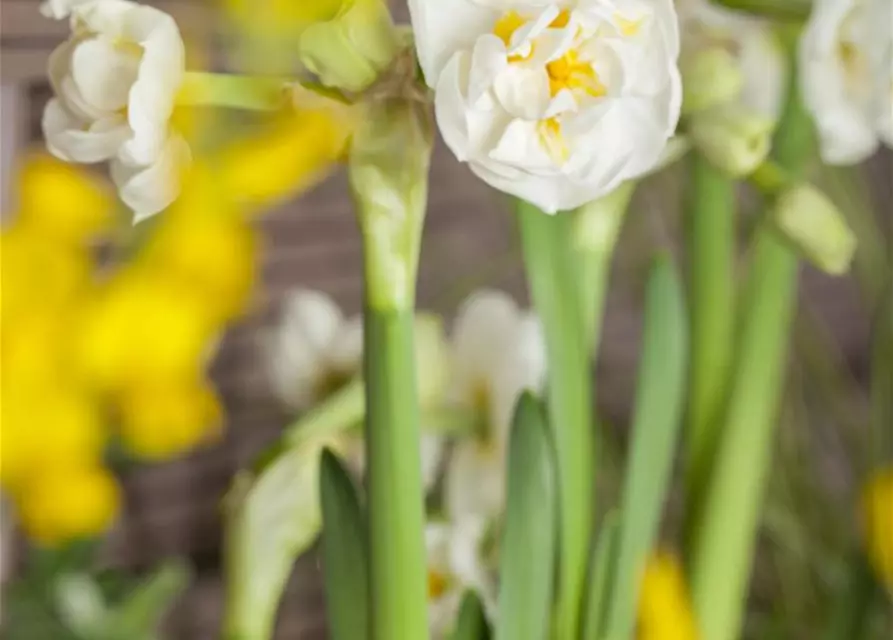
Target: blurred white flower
(553,102)
(315,351)
(846,67)
(59,9)
(455,565)
(115,82)
(757,80)
(499,352)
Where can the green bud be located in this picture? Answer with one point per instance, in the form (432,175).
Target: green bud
(352,49)
(710,77)
(597,224)
(814,225)
(733,138)
(388,171)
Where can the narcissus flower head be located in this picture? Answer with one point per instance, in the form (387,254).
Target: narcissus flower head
(555,103)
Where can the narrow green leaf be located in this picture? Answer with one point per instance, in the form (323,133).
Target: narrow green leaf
(140,614)
(471,624)
(601,576)
(274,516)
(656,422)
(344,552)
(528,540)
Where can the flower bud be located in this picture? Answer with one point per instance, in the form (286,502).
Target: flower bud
(733,138)
(710,77)
(814,224)
(352,49)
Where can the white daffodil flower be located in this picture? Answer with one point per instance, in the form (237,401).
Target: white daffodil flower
(499,352)
(314,352)
(553,102)
(115,81)
(455,565)
(846,76)
(758,59)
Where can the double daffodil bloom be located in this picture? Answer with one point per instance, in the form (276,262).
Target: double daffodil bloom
(556,103)
(846,75)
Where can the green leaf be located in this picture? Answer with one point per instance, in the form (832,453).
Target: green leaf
(140,615)
(274,516)
(344,547)
(471,623)
(528,542)
(656,422)
(601,576)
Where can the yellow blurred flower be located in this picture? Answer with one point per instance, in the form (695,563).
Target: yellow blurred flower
(877,521)
(32,350)
(204,245)
(143,325)
(295,153)
(63,202)
(45,431)
(68,503)
(665,611)
(162,420)
(38,274)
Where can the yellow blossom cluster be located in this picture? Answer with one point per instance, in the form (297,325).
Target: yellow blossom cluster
(94,350)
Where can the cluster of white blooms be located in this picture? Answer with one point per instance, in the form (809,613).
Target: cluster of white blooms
(496,352)
(115,82)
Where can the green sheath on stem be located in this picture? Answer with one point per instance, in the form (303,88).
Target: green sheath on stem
(397,580)
(725,532)
(552,272)
(711,245)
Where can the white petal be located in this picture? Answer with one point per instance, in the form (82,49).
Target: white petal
(59,9)
(432,452)
(481,335)
(104,73)
(345,351)
(443,27)
(523,92)
(488,60)
(149,189)
(73,140)
(151,97)
(764,67)
(522,369)
(475,480)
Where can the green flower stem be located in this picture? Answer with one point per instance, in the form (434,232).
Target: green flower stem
(793,10)
(389,164)
(552,272)
(725,533)
(397,586)
(255,93)
(711,245)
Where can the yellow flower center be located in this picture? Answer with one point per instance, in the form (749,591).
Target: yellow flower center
(569,72)
(437,584)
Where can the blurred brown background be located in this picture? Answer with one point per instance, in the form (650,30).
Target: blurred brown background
(469,242)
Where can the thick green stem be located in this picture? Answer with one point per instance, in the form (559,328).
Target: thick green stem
(711,245)
(725,532)
(397,587)
(551,272)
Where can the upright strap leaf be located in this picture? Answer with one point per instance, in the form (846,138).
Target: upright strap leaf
(471,624)
(344,548)
(657,417)
(528,540)
(601,577)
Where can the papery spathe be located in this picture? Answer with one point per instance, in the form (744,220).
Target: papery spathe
(555,103)
(115,80)
(846,66)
